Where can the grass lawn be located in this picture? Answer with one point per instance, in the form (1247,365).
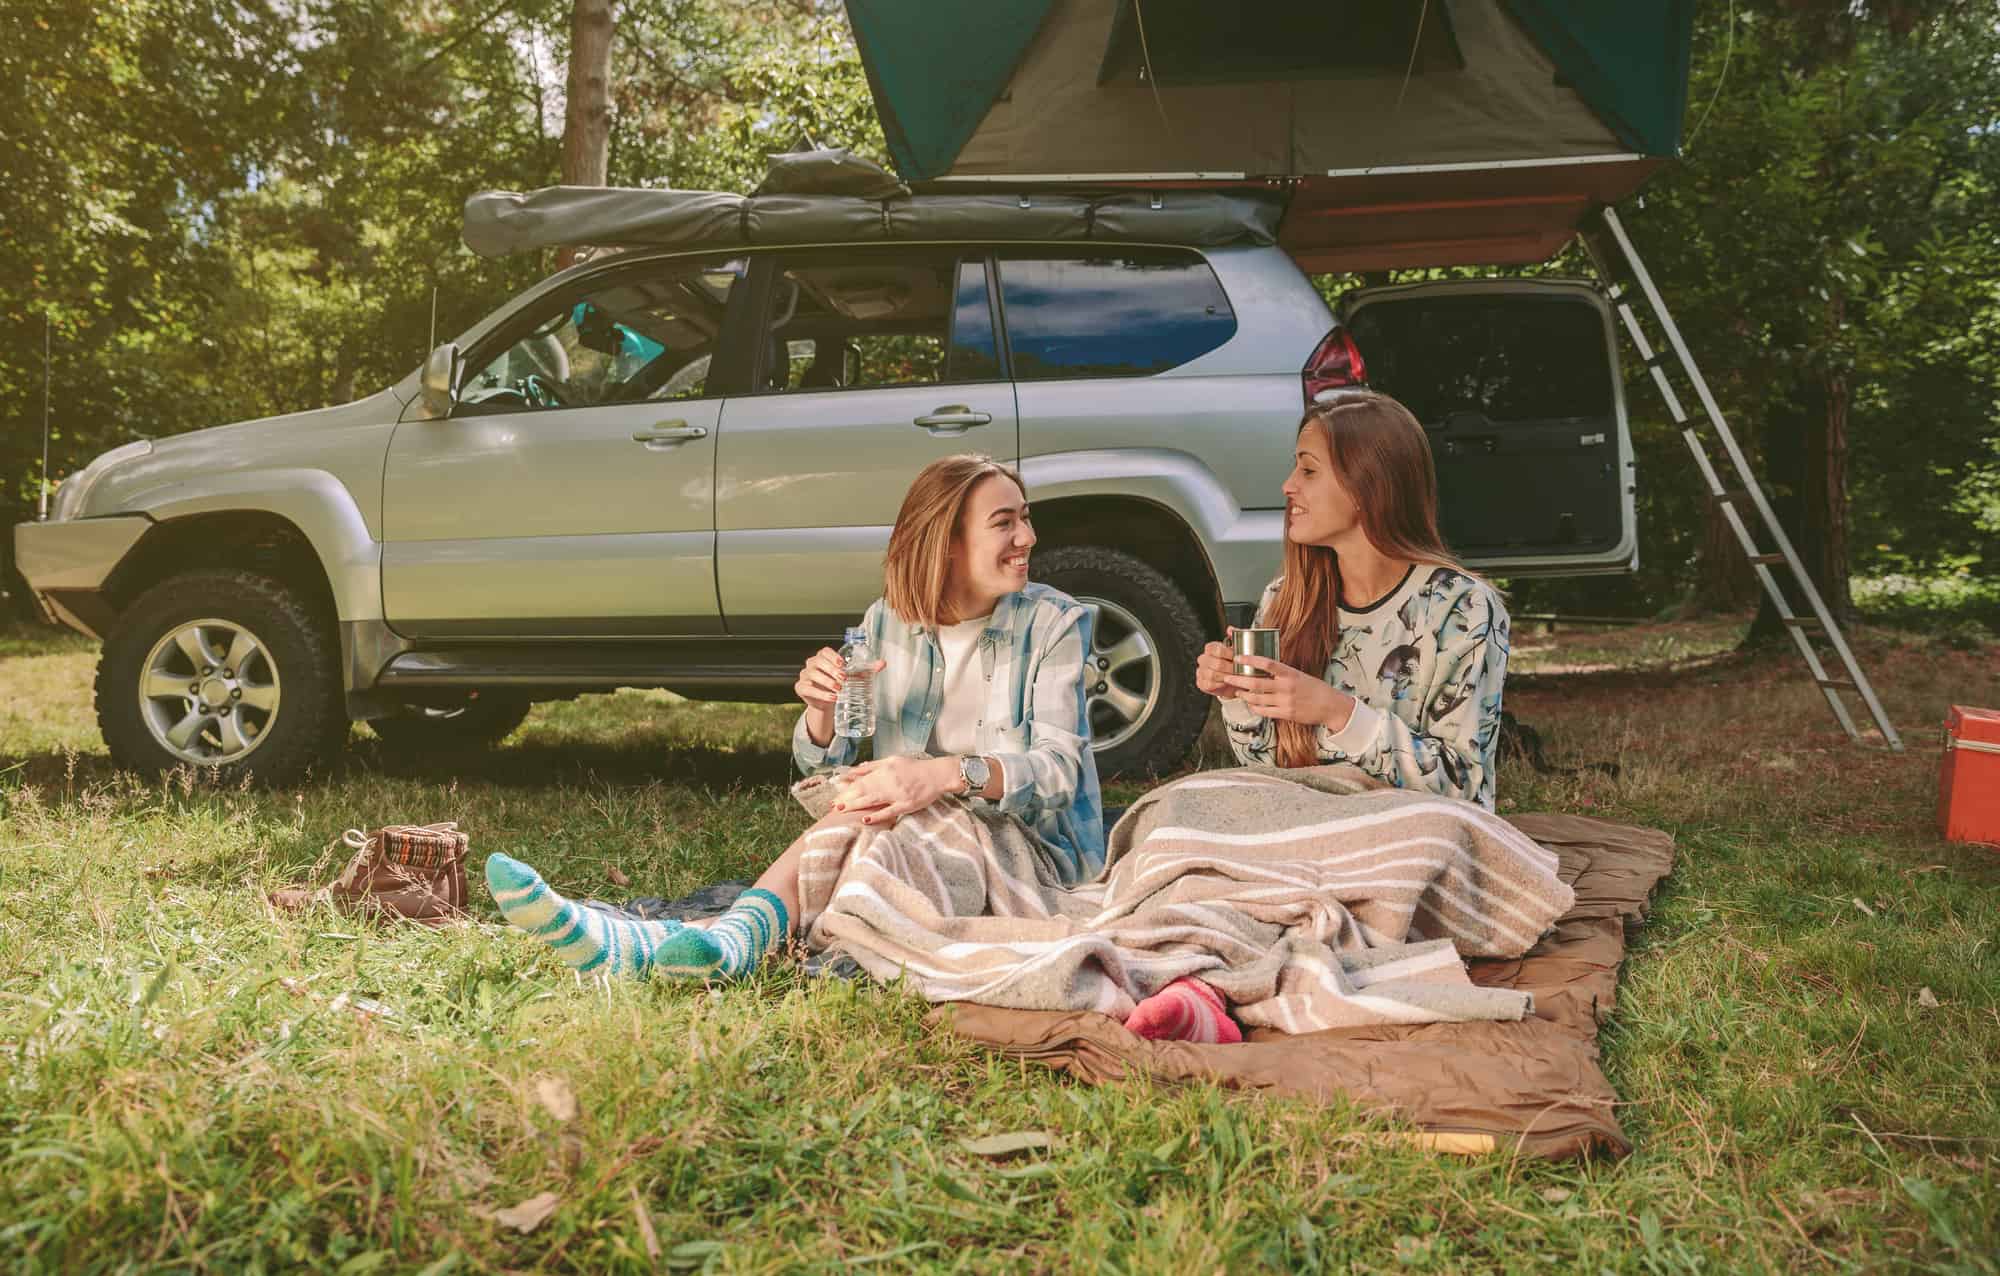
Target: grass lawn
(192,1083)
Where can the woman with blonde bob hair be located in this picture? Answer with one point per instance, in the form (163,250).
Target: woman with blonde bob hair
(1391,654)
(979,696)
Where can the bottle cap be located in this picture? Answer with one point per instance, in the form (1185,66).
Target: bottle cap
(855,633)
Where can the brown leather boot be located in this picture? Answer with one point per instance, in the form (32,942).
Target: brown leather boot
(408,871)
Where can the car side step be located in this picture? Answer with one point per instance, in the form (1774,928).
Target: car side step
(574,667)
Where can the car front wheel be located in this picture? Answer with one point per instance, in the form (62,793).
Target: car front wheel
(1145,712)
(224,671)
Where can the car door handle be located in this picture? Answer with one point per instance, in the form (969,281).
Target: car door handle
(1487,443)
(670,432)
(953,418)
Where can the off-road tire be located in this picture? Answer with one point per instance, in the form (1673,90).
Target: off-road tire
(299,640)
(481,722)
(1166,734)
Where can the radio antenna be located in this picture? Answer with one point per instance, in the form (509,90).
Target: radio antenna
(48,324)
(434,321)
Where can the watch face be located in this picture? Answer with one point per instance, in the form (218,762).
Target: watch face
(975,771)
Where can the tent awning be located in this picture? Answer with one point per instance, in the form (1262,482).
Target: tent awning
(1386,219)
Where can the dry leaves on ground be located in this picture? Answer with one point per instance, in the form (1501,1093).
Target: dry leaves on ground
(996,1145)
(529,1214)
(647,1236)
(556,1098)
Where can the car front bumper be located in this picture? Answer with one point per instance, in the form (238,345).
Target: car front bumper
(66,565)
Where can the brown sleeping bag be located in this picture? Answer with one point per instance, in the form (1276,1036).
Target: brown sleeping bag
(1532,1086)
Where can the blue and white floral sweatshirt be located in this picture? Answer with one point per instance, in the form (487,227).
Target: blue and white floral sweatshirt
(1425,666)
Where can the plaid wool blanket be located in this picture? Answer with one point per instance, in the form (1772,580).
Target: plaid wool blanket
(1310,898)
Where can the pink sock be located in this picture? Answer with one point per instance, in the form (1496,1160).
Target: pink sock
(1185,1010)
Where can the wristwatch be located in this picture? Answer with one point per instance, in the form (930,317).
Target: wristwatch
(973,768)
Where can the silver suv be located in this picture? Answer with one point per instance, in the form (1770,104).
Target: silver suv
(678,469)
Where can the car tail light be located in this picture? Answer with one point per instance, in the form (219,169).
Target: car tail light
(1335,365)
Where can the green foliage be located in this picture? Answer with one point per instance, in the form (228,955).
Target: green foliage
(1836,220)
(1957,604)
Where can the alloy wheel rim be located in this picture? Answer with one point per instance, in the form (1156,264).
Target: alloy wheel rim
(208,692)
(1121,674)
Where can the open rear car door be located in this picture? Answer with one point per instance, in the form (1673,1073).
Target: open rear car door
(1516,383)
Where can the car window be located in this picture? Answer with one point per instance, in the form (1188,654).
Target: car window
(1510,358)
(645,335)
(975,353)
(1131,312)
(861,320)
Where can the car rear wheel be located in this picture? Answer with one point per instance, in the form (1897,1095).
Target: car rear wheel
(475,722)
(1145,713)
(228,672)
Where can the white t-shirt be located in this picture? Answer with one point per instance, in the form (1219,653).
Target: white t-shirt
(957,730)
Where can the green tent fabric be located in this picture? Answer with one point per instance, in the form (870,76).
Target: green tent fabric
(1628,60)
(1056,87)
(934,69)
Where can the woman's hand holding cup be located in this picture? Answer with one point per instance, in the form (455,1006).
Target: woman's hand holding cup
(1285,694)
(1213,667)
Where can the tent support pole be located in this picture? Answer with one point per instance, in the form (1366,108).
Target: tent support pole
(1730,500)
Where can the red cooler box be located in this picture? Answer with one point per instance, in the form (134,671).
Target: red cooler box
(1969,782)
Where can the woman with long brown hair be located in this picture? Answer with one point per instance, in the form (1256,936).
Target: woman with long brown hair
(1391,654)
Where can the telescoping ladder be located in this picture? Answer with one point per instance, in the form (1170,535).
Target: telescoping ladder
(1731,500)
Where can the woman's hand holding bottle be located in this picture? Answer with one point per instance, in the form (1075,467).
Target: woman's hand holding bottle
(818,687)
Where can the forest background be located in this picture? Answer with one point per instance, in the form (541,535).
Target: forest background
(214,211)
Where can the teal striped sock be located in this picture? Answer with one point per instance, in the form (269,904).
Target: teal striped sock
(732,946)
(586,938)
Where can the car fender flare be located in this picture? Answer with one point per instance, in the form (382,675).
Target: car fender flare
(1243,547)
(314,501)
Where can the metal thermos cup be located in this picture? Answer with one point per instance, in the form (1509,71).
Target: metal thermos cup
(1255,642)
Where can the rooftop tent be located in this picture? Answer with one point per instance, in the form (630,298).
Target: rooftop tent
(1410,132)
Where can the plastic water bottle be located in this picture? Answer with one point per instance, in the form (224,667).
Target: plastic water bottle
(854,708)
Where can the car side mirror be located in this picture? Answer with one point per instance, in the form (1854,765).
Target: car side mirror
(440,380)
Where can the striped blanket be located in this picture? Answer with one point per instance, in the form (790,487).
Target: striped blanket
(1310,898)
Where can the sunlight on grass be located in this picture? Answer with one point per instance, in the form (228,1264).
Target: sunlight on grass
(194,1082)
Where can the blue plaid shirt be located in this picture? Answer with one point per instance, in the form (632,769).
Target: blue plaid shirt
(1033,724)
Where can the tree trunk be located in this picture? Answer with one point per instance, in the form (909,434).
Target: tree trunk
(1724,581)
(1826,500)
(1784,477)
(1806,452)
(586,149)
